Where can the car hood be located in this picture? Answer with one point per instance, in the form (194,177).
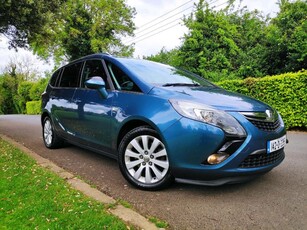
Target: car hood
(215,97)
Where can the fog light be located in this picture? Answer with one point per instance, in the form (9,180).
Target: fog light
(217,158)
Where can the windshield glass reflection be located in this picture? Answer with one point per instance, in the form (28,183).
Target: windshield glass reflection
(164,75)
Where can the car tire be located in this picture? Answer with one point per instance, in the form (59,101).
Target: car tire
(143,159)
(50,137)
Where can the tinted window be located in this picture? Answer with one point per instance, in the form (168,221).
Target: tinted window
(94,68)
(120,80)
(54,78)
(70,75)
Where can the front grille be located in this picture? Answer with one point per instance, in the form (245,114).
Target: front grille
(265,125)
(263,159)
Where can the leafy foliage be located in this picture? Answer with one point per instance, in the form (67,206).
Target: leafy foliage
(229,44)
(15,93)
(209,45)
(286,38)
(85,27)
(33,107)
(21,21)
(8,92)
(23,94)
(166,57)
(220,44)
(22,67)
(67,29)
(286,92)
(38,88)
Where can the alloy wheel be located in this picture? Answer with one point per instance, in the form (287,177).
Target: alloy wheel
(48,134)
(146,159)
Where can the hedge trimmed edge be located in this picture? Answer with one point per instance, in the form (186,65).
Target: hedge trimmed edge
(286,92)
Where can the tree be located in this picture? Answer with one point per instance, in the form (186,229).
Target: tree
(23,67)
(8,91)
(21,21)
(225,43)
(67,29)
(166,57)
(209,48)
(19,84)
(286,38)
(250,38)
(36,90)
(85,27)
(23,95)
(231,44)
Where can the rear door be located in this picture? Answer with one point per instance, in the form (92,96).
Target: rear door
(62,107)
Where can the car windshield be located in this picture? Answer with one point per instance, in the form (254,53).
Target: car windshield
(163,75)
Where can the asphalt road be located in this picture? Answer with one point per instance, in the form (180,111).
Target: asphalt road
(277,200)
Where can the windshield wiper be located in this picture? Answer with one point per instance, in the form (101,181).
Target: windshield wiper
(181,84)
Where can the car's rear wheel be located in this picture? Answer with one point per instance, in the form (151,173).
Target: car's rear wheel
(51,139)
(143,159)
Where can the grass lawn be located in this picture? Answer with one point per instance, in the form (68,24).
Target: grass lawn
(34,198)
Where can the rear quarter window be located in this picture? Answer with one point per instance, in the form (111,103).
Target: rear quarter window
(54,78)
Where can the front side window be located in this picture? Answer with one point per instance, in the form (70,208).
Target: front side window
(94,68)
(120,80)
(70,76)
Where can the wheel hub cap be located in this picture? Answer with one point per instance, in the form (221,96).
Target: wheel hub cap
(146,159)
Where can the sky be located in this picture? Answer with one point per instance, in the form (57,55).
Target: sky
(158,23)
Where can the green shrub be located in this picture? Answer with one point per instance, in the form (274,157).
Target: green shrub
(286,92)
(23,95)
(8,91)
(33,107)
(38,88)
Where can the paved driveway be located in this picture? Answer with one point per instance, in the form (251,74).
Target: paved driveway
(277,200)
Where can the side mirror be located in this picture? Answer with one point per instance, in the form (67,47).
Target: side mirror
(97,83)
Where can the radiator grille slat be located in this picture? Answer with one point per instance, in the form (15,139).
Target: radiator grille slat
(265,125)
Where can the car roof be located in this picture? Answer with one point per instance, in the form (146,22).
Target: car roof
(91,56)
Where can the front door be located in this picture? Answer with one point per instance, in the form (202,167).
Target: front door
(94,112)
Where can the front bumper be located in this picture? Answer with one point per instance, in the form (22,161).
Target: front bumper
(220,181)
(190,143)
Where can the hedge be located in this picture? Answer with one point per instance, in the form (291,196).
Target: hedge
(286,92)
(33,107)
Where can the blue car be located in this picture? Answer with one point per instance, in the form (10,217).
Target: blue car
(161,123)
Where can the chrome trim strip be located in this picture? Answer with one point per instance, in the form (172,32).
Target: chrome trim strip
(268,115)
(258,152)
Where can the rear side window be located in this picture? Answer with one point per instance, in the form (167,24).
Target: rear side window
(71,75)
(54,78)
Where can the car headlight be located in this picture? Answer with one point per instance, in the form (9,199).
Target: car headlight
(209,115)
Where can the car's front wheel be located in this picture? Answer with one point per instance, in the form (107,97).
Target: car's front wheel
(51,139)
(143,159)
